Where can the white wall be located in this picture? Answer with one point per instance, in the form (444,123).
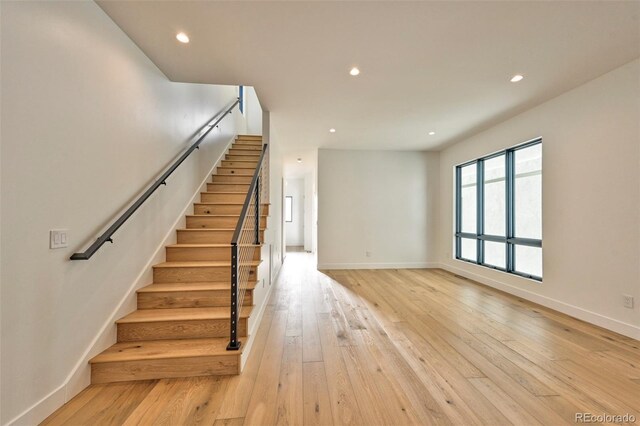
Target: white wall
(309,210)
(87,122)
(295,230)
(252,111)
(383,202)
(591,200)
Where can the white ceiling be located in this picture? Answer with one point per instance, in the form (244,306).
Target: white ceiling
(442,66)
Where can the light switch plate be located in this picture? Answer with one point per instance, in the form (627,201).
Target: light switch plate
(58,238)
(628,301)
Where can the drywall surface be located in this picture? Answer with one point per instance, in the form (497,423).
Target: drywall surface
(87,122)
(253,111)
(295,229)
(591,199)
(377,209)
(309,211)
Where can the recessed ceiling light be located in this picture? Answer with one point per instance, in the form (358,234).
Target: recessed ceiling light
(182,38)
(354,71)
(516,78)
(332,130)
(432,133)
(299,160)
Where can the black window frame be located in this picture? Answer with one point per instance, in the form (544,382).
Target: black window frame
(510,240)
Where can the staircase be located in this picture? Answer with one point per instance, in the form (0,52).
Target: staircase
(181,327)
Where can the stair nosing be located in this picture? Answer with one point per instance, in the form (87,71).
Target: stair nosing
(262,228)
(201,264)
(221,215)
(161,289)
(222,192)
(165,354)
(243,314)
(217,203)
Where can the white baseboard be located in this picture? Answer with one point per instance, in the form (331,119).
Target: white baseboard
(80,376)
(600,320)
(408,265)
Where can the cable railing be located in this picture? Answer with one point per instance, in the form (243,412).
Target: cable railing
(247,238)
(162,180)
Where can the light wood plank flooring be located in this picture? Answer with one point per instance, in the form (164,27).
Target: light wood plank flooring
(391,347)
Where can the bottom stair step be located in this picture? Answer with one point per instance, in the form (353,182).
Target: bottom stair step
(155,359)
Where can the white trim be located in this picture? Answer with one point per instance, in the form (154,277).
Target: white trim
(408,265)
(600,320)
(80,376)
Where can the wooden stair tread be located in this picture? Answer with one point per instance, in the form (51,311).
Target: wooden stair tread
(211,229)
(225,192)
(204,245)
(221,215)
(202,264)
(165,349)
(226,203)
(182,314)
(205,286)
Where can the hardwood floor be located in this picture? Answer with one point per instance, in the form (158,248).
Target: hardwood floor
(391,347)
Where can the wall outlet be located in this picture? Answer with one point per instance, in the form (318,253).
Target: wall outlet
(628,301)
(58,238)
(367,253)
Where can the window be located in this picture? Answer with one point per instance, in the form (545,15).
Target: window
(288,209)
(241,98)
(499,210)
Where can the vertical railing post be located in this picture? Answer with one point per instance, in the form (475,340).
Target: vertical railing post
(234,344)
(258,210)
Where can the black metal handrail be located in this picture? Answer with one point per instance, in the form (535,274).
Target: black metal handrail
(162,180)
(240,240)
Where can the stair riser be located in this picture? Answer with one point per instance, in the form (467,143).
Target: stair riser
(189,299)
(248,147)
(212,197)
(235,172)
(186,254)
(240,158)
(249,137)
(216,222)
(224,187)
(248,142)
(224,209)
(208,237)
(195,274)
(231,179)
(194,329)
(247,154)
(240,164)
(165,368)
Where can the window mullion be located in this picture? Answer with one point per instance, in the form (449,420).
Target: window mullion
(458,240)
(480,210)
(510,213)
